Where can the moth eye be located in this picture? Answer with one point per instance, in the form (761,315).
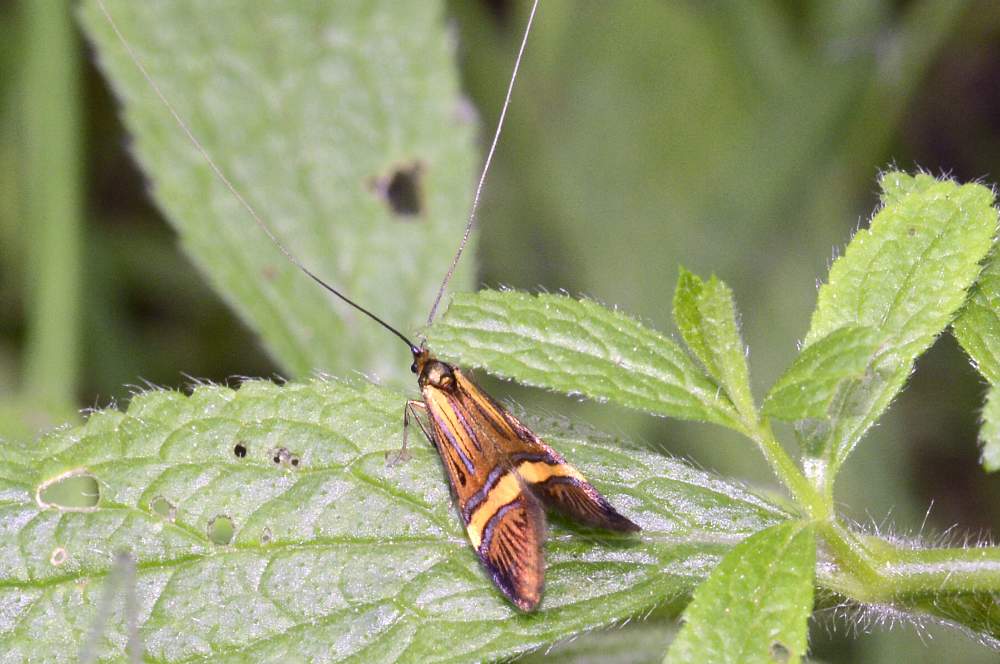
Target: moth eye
(413,367)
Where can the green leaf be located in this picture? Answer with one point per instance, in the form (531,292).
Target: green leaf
(976,614)
(632,644)
(578,347)
(807,389)
(755,605)
(978,326)
(989,434)
(688,318)
(978,331)
(706,317)
(907,274)
(333,553)
(904,277)
(309,110)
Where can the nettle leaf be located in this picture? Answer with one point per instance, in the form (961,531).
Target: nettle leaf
(808,388)
(706,316)
(340,123)
(989,434)
(579,347)
(978,326)
(755,605)
(633,643)
(976,614)
(331,553)
(978,331)
(688,318)
(904,277)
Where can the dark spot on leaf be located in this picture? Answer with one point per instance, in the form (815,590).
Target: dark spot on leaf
(401,189)
(73,491)
(779,653)
(221,530)
(281,456)
(58,557)
(265,536)
(163,507)
(911,231)
(240,450)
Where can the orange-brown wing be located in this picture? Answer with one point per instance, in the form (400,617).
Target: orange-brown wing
(547,474)
(505,523)
(511,549)
(499,470)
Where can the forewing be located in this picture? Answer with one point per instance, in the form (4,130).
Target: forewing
(499,471)
(505,523)
(544,471)
(511,549)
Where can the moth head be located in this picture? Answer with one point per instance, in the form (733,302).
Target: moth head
(421,356)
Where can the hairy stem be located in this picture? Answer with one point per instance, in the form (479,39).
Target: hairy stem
(803,492)
(870,569)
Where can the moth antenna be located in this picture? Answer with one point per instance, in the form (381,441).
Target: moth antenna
(486,168)
(244,203)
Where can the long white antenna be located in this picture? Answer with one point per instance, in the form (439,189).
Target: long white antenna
(486,168)
(219,173)
(231,187)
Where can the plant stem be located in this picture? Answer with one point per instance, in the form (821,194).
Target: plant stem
(803,492)
(52,203)
(874,570)
(870,569)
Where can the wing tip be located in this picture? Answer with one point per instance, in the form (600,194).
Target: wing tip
(618,522)
(629,526)
(524,598)
(527,604)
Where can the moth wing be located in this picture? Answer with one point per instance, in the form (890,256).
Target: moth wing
(555,482)
(504,521)
(577,499)
(511,550)
(502,474)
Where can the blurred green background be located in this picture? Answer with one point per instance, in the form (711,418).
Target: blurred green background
(740,138)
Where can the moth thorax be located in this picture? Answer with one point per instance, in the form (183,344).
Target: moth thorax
(438,374)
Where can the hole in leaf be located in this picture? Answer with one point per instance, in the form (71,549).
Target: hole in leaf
(58,557)
(779,653)
(240,450)
(221,530)
(401,189)
(282,456)
(73,491)
(164,508)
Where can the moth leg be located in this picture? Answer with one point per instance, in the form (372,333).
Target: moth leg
(410,409)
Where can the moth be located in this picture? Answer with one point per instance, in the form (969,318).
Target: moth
(501,474)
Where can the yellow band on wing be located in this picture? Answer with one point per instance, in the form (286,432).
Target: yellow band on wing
(509,487)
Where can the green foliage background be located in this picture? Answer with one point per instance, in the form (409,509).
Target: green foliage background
(737,138)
